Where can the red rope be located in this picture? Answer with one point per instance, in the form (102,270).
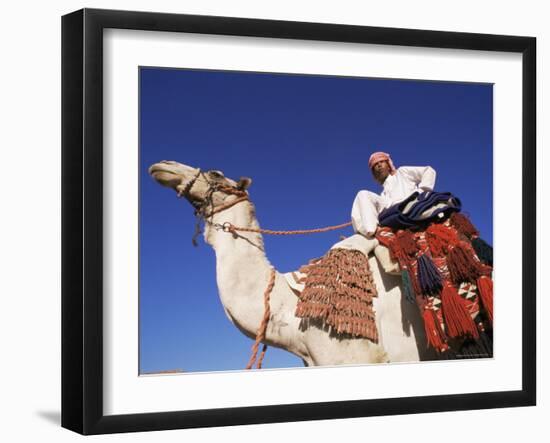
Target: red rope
(260,335)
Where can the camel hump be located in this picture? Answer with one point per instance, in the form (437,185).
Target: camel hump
(367,246)
(358,242)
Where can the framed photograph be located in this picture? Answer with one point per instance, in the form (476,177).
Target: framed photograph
(268,221)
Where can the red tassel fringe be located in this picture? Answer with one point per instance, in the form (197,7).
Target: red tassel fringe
(439,238)
(458,320)
(463,225)
(406,243)
(462,265)
(485,287)
(434,333)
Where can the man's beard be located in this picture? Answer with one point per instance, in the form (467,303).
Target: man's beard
(380,177)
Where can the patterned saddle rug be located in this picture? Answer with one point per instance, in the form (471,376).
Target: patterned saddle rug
(447,272)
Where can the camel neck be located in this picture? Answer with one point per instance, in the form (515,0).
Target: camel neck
(243,244)
(242,268)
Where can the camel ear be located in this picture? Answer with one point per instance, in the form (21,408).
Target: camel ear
(244,183)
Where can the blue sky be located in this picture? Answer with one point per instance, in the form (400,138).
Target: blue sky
(305,141)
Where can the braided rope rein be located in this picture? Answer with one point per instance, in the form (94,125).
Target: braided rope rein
(260,335)
(229,227)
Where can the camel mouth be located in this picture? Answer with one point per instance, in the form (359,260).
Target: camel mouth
(156,168)
(165,176)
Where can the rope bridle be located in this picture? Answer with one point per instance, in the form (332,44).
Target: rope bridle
(202,214)
(201,208)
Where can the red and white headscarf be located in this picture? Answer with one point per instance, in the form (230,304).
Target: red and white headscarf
(381,156)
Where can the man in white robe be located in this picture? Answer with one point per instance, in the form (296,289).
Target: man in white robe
(398,184)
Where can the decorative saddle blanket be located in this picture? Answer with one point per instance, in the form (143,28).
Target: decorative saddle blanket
(338,290)
(419,209)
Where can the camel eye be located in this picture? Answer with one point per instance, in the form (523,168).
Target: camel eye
(216,174)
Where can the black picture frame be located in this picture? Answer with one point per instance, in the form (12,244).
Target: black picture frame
(82,217)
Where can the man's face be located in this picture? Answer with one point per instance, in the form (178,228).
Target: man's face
(381,170)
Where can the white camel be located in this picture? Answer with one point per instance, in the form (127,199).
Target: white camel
(243,272)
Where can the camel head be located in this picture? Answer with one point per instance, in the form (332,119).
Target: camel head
(195,185)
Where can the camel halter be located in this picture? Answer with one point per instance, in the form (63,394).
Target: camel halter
(201,207)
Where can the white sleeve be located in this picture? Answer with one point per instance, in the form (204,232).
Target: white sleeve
(422,176)
(365,199)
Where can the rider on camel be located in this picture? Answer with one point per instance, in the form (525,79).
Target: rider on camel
(398,184)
